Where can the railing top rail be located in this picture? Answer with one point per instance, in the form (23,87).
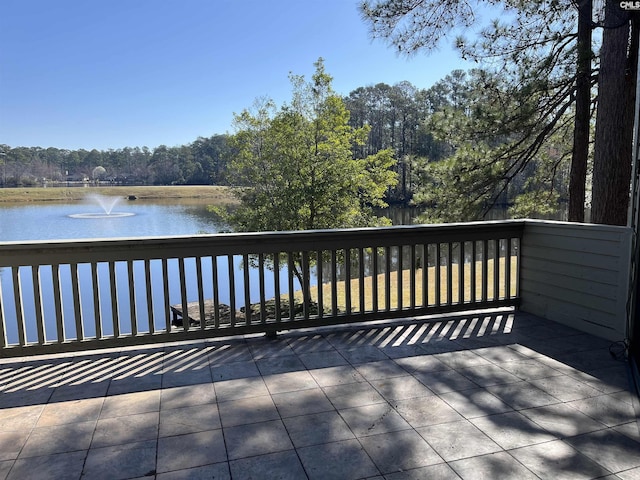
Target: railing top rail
(141,248)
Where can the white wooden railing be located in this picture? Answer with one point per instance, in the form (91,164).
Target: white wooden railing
(79,294)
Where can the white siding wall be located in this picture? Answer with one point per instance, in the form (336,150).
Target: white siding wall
(577,274)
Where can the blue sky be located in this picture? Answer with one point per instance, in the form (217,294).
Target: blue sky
(114,73)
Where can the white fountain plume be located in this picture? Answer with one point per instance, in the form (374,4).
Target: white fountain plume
(107,204)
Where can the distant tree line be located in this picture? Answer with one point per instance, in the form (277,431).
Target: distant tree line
(202,162)
(422,127)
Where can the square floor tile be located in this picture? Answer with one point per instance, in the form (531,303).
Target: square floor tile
(561,420)
(495,466)
(344,460)
(233,371)
(557,461)
(127,429)
(289,382)
(512,430)
(477,402)
(281,465)
(58,439)
(187,396)
(326,359)
(339,375)
(421,364)
(19,418)
(457,440)
(190,450)
(61,466)
(70,412)
(565,388)
(197,418)
(444,381)
(317,429)
(373,419)
(131,403)
(240,388)
(217,471)
(441,471)
(522,395)
(363,354)
(395,451)
(256,439)
(121,461)
(279,364)
(302,402)
(425,411)
(247,410)
(487,375)
(11,443)
(614,451)
(607,409)
(379,370)
(401,388)
(353,395)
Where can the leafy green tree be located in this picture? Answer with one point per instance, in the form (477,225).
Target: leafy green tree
(544,49)
(491,161)
(297,167)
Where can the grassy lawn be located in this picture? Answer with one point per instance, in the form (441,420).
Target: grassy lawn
(215,194)
(406,290)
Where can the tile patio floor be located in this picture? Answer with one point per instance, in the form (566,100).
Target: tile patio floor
(481,396)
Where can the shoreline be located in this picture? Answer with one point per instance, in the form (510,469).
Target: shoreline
(216,193)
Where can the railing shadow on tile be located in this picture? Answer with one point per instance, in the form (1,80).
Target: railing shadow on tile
(95,374)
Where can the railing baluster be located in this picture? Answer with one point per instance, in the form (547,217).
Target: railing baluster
(449,273)
(37,301)
(400,274)
(496,269)
(485,269)
(77,304)
(261,287)
(17,298)
(97,313)
(114,298)
(387,278)
(276,281)
(319,281)
(412,277)
(200,287)
(232,290)
(334,283)
(507,270)
(247,289)
(517,258)
(3,331)
(216,292)
(165,292)
(291,269)
(132,298)
(186,320)
(425,275)
(374,280)
(347,279)
(438,278)
(472,272)
(361,288)
(461,275)
(149,295)
(57,302)
(306,285)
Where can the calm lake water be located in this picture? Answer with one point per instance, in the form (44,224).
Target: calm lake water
(62,221)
